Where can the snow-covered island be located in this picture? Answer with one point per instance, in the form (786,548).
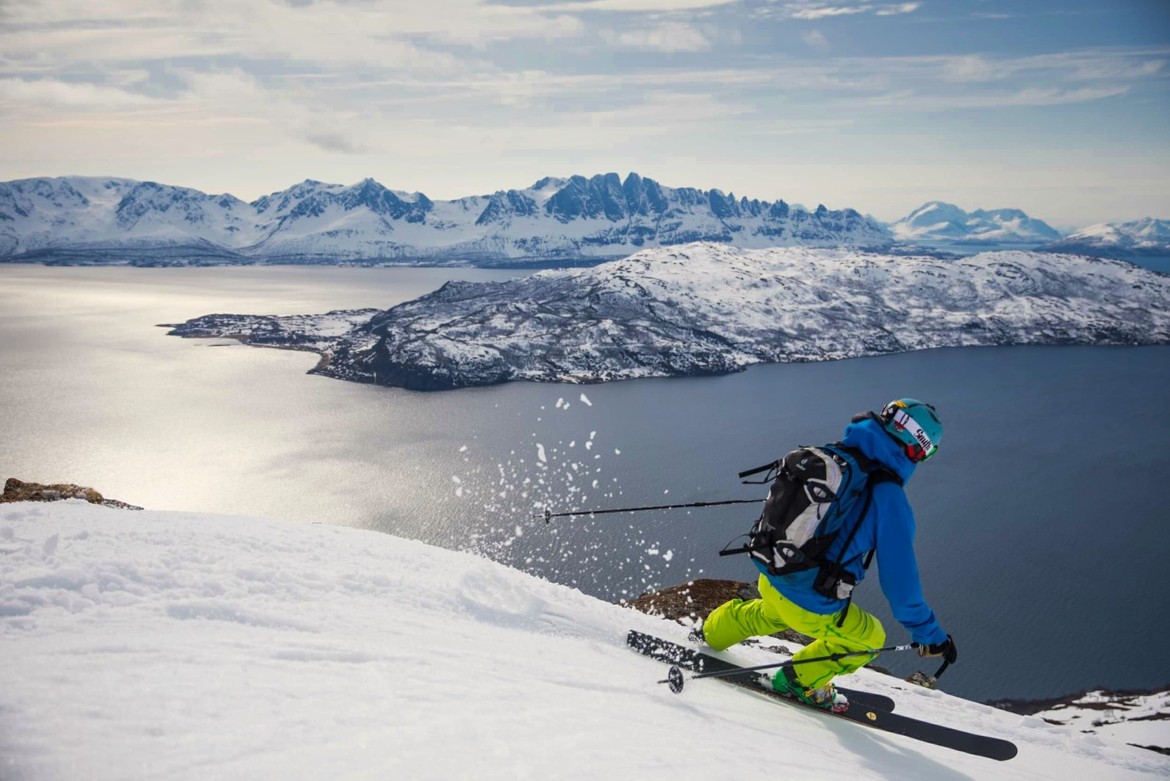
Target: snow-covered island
(172,645)
(704,309)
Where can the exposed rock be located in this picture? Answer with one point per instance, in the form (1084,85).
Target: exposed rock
(20,491)
(695,599)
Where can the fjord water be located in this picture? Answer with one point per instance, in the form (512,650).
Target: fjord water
(1041,523)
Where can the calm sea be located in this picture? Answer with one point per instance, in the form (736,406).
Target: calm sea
(1042,533)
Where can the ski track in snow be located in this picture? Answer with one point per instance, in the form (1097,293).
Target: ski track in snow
(181,646)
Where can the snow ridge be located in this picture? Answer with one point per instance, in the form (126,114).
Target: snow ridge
(1145,237)
(711,309)
(944,222)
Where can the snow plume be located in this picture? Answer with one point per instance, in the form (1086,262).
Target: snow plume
(507,500)
(155,645)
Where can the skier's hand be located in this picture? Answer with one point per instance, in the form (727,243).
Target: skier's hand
(946,650)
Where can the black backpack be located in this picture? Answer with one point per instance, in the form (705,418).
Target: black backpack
(816,493)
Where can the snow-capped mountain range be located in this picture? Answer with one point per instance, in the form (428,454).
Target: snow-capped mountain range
(1134,239)
(944,222)
(82,219)
(712,309)
(556,221)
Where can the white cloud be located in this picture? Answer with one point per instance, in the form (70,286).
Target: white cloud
(812,13)
(1019,98)
(893,10)
(1074,66)
(812,10)
(382,34)
(665,37)
(817,40)
(637,6)
(50,93)
(971,68)
(335,142)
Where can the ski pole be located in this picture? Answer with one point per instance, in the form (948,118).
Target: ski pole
(675,677)
(549,514)
(931,682)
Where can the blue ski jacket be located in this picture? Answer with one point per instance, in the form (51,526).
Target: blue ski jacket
(888,528)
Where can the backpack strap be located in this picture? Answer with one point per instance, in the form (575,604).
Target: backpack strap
(876,472)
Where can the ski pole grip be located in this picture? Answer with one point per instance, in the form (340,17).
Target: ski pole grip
(758,469)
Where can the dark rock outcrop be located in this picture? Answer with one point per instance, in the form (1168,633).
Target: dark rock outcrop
(695,599)
(19,491)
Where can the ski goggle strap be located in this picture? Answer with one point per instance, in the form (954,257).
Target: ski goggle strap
(925,448)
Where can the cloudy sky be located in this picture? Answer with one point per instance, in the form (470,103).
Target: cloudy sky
(1059,107)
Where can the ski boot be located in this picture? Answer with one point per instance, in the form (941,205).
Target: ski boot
(826,697)
(696,635)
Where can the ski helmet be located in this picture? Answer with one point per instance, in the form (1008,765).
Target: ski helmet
(915,425)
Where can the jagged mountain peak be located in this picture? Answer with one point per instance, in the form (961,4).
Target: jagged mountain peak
(547,183)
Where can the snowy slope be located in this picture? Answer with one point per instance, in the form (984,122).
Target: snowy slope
(937,221)
(77,218)
(1137,718)
(177,646)
(1124,239)
(711,309)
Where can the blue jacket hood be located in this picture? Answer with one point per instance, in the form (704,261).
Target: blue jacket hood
(870,438)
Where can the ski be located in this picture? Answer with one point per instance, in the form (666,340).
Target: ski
(864,707)
(699,662)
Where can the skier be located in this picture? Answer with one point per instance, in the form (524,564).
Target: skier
(906,433)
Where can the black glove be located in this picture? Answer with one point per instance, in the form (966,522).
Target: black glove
(946,650)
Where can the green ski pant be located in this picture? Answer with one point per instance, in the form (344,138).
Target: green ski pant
(737,620)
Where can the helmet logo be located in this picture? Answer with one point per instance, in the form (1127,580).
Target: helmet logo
(903,420)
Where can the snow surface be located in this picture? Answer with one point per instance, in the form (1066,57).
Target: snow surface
(1138,719)
(180,646)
